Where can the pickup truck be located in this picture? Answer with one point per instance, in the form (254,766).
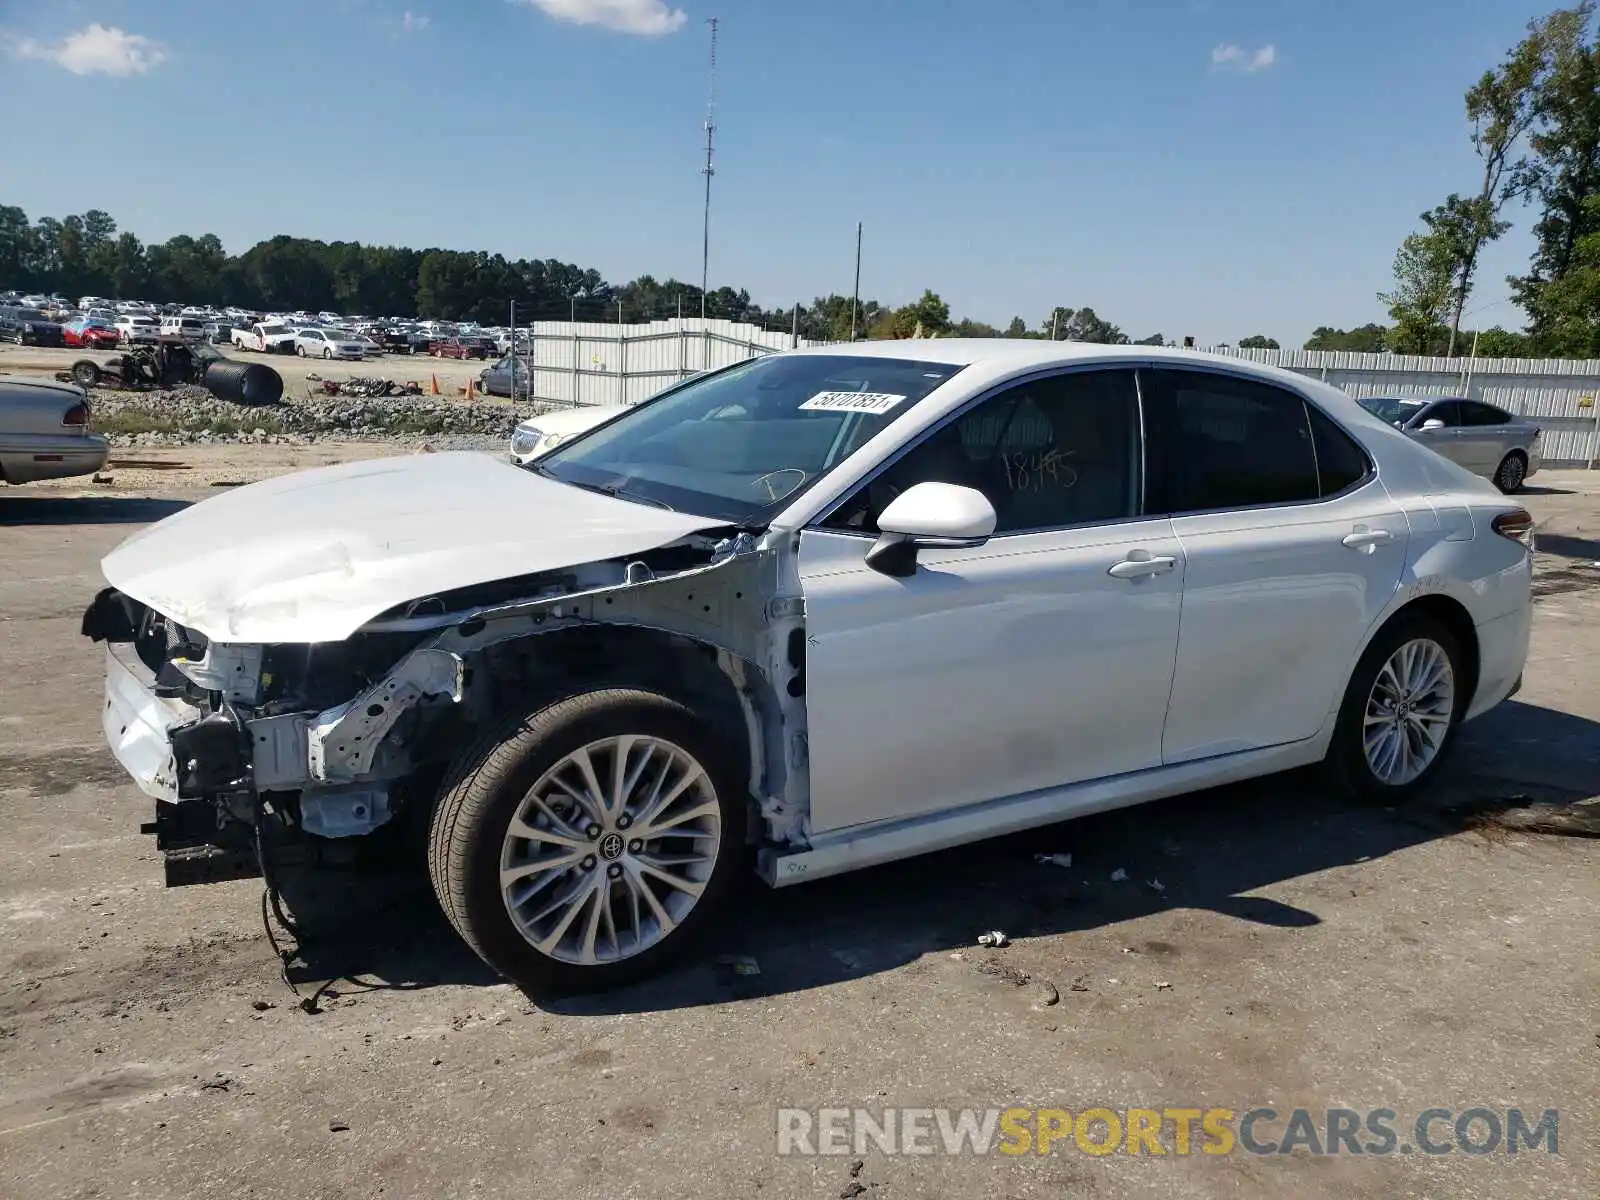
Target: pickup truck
(265,339)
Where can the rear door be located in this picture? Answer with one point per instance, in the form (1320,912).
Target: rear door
(1487,433)
(1292,549)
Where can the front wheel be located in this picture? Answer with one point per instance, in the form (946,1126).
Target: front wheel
(586,844)
(327,354)
(1400,712)
(300,350)
(1512,471)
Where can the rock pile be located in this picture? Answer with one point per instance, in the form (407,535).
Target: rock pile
(187,414)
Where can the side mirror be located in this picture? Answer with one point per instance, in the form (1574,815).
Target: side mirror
(1432,423)
(929,516)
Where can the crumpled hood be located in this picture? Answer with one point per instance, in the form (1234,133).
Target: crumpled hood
(312,556)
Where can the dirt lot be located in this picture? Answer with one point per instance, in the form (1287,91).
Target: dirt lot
(1296,953)
(452,374)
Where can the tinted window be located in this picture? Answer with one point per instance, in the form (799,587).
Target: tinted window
(1475,413)
(1448,411)
(1227,442)
(1340,461)
(1050,453)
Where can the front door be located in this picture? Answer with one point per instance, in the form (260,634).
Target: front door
(1293,549)
(1020,665)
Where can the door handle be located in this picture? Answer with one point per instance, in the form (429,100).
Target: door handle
(1141,568)
(1368,539)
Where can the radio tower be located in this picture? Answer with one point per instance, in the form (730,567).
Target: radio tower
(709,171)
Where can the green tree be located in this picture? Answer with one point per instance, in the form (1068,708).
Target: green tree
(1364,339)
(1155,339)
(1257,341)
(16,247)
(929,314)
(1081,325)
(1424,272)
(1497,343)
(1018,328)
(1562,177)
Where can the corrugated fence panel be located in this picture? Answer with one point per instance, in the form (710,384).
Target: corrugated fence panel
(592,362)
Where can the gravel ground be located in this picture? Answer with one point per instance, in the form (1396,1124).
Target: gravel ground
(1296,953)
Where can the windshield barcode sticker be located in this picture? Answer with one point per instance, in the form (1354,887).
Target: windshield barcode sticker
(869,402)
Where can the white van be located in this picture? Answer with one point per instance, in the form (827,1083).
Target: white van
(190,329)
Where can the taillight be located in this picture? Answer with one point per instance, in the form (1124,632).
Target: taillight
(76,417)
(1516,525)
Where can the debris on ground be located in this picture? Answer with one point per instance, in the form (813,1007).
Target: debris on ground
(1523,814)
(852,1189)
(1155,885)
(1045,994)
(262,1005)
(338,1126)
(1080,984)
(995,937)
(367,388)
(1119,875)
(1163,986)
(739,964)
(103,479)
(1053,860)
(998,970)
(217,1083)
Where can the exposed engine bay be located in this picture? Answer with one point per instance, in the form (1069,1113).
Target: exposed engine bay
(329,740)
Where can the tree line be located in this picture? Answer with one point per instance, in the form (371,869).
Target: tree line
(1535,127)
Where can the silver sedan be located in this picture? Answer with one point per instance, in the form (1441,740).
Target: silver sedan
(44,431)
(1486,440)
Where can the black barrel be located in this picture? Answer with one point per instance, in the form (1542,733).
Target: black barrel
(244,383)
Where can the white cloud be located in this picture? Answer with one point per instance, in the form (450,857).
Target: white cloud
(1231,57)
(652,18)
(96,50)
(414,22)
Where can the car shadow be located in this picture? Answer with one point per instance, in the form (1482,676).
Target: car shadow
(21,508)
(1533,489)
(1564,545)
(1207,850)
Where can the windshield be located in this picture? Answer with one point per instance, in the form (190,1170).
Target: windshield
(1394,409)
(742,442)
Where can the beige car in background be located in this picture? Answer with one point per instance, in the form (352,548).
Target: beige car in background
(44,431)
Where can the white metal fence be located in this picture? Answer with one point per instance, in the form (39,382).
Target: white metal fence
(589,362)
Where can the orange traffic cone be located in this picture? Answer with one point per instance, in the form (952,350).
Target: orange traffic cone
(472,385)
(435,385)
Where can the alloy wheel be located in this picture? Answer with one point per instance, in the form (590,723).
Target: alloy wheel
(1409,711)
(610,850)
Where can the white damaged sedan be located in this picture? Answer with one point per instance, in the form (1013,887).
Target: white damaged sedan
(811,612)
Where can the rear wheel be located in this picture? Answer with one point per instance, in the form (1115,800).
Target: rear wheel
(300,350)
(1400,712)
(85,373)
(586,844)
(1512,471)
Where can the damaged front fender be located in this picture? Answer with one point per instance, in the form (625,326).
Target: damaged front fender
(344,743)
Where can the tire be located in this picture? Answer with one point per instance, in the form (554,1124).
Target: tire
(327,354)
(300,350)
(85,373)
(1511,472)
(1350,768)
(492,781)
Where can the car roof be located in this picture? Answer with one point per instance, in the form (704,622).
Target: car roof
(999,357)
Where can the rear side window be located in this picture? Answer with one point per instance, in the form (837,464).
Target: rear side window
(1226,442)
(1341,463)
(1477,413)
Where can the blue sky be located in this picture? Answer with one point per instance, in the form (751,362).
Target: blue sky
(1214,167)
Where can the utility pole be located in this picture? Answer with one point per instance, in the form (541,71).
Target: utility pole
(709,170)
(855,295)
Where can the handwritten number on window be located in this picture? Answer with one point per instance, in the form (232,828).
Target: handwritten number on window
(1038,472)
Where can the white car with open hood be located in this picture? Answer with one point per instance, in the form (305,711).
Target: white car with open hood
(811,612)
